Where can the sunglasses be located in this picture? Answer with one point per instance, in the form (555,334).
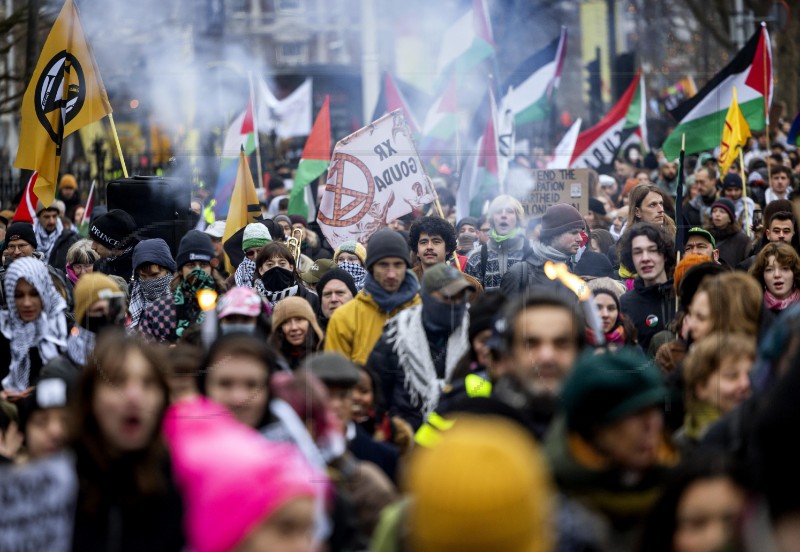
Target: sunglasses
(251,253)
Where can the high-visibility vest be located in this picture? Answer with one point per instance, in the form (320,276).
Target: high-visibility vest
(430,432)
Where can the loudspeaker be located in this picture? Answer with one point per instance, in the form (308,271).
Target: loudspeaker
(160,206)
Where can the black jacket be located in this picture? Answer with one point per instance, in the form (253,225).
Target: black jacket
(733,245)
(696,211)
(651,309)
(529,274)
(121,266)
(383,455)
(58,256)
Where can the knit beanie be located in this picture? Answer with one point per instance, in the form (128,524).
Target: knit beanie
(154,251)
(337,274)
(68,181)
(386,243)
(87,292)
(50,392)
(483,313)
(231,479)
(195,246)
(503,201)
(605,388)
(21,231)
(298,219)
(732,181)
(596,206)
(472,221)
(294,307)
(284,218)
(687,262)
(486,473)
(255,235)
(42,207)
(726,205)
(558,219)
(113,230)
(354,247)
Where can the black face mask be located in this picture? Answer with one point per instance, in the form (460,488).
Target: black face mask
(277,279)
(96,324)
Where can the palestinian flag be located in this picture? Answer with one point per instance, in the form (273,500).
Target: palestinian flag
(468,41)
(702,117)
(392,98)
(597,147)
(483,174)
(314,161)
(529,89)
(241,134)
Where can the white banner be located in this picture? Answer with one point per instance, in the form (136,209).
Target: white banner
(375,176)
(37,502)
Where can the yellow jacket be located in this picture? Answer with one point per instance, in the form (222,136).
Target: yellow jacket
(356,326)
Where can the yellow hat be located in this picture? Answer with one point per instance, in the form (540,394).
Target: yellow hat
(87,292)
(68,181)
(484,486)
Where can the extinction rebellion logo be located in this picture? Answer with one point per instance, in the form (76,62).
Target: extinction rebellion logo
(50,93)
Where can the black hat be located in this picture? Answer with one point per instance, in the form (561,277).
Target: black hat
(337,274)
(332,369)
(732,181)
(195,246)
(386,243)
(21,231)
(113,230)
(596,206)
(472,221)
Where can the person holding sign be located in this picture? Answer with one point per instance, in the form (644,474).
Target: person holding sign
(507,244)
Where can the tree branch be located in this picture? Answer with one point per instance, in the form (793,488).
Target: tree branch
(699,12)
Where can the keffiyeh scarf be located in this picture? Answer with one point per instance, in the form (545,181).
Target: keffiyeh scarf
(48,333)
(144,293)
(244,273)
(80,344)
(358,272)
(45,241)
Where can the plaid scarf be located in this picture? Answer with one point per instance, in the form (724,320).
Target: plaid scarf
(358,272)
(144,293)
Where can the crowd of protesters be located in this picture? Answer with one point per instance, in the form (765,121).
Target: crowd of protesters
(435,388)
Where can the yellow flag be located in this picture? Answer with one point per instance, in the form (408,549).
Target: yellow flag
(734,135)
(65,93)
(244,207)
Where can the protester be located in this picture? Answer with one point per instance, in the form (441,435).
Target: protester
(254,238)
(153,269)
(617,329)
(351,257)
(170,317)
(733,245)
(697,209)
(389,288)
(127,499)
(242,310)
(335,288)
(113,238)
(216,231)
(53,240)
(44,415)
(506,246)
(98,306)
(744,207)
(467,235)
(80,260)
(276,277)
(295,332)
(413,374)
(730,302)
(777,269)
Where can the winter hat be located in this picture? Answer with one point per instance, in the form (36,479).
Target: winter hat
(154,251)
(88,290)
(230,477)
(483,313)
(445,278)
(607,181)
(298,219)
(294,307)
(332,368)
(113,229)
(216,229)
(687,262)
(630,184)
(21,231)
(503,201)
(386,243)
(337,274)
(317,269)
(68,181)
(255,235)
(284,218)
(485,472)
(693,277)
(472,221)
(194,246)
(42,207)
(732,181)
(353,247)
(596,206)
(726,205)
(604,388)
(51,392)
(755,177)
(244,301)
(558,219)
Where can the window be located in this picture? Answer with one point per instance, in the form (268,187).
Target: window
(293,53)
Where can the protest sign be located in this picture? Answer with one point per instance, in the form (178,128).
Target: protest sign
(37,502)
(375,176)
(548,187)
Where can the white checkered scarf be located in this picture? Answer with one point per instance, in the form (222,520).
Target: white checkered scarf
(48,333)
(144,293)
(45,241)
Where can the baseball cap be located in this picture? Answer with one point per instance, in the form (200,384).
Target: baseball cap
(697,231)
(216,229)
(445,278)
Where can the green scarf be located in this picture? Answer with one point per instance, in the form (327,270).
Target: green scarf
(500,239)
(187,310)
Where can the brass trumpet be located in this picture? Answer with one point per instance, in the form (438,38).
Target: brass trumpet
(294,242)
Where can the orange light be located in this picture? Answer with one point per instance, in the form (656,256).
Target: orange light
(561,272)
(134,104)
(207,299)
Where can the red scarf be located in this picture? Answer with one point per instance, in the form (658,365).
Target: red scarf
(775,304)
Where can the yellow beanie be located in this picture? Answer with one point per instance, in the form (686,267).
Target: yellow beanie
(68,181)
(295,307)
(484,486)
(87,292)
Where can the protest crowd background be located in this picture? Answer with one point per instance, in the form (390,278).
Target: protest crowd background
(400,343)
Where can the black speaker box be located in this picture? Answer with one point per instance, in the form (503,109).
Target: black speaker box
(160,206)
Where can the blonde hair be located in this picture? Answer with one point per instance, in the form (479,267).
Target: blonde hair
(706,357)
(502,201)
(734,299)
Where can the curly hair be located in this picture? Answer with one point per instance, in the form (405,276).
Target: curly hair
(433,226)
(784,254)
(654,233)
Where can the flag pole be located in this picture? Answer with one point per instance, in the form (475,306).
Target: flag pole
(744,193)
(119,148)
(260,181)
(679,209)
(88,200)
(766,99)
